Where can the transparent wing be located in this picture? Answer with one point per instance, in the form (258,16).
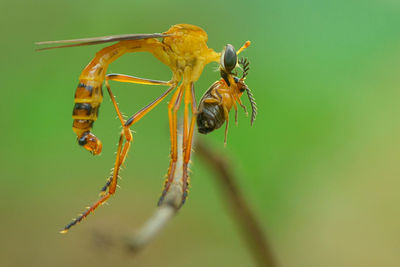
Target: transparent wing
(98,40)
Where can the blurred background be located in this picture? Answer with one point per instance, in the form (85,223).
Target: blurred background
(320,167)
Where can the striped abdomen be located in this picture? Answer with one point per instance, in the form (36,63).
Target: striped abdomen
(210,115)
(88,97)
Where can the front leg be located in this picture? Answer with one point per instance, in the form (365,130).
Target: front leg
(187,146)
(173,107)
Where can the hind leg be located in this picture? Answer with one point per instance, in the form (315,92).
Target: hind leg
(122,147)
(137,116)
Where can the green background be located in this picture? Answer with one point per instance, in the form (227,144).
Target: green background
(320,166)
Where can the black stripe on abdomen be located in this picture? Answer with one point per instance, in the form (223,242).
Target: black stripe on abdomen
(82,109)
(84,91)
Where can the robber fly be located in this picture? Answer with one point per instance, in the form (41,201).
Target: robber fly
(183,48)
(218,100)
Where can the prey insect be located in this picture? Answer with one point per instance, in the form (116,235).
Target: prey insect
(183,48)
(218,100)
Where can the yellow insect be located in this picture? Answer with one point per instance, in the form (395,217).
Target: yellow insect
(183,48)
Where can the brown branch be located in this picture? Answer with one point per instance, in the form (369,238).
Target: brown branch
(240,210)
(164,213)
(151,228)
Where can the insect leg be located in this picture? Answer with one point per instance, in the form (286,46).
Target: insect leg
(236,115)
(241,104)
(211,101)
(89,96)
(216,95)
(237,99)
(121,152)
(173,107)
(132,79)
(136,117)
(187,144)
(111,191)
(226,114)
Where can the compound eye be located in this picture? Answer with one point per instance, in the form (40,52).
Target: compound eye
(240,84)
(228,58)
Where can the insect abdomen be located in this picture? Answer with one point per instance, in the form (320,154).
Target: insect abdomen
(88,97)
(210,117)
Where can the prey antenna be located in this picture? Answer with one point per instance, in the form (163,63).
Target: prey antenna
(245,66)
(253,105)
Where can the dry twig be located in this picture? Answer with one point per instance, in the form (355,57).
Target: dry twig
(240,210)
(164,213)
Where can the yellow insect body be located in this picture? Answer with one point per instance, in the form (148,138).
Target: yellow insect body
(184,49)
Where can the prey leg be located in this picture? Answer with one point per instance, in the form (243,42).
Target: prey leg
(226,114)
